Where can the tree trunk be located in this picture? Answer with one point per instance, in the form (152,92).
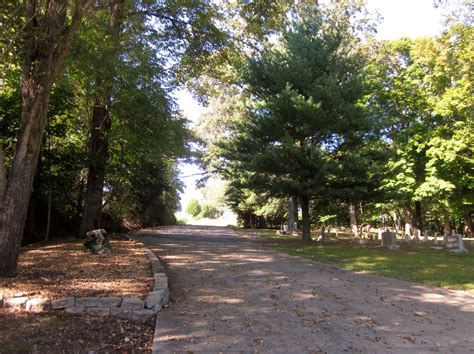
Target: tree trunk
(47,42)
(306,219)
(291,216)
(447,225)
(408,218)
(353,219)
(97,163)
(418,220)
(20,181)
(100,126)
(295,210)
(467,218)
(3,176)
(48,218)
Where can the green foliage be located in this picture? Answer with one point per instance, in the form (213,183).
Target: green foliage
(424,92)
(304,116)
(211,212)
(194,208)
(181,221)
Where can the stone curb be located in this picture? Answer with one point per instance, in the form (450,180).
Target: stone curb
(124,307)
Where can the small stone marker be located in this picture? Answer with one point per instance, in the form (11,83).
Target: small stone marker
(417,235)
(455,244)
(388,239)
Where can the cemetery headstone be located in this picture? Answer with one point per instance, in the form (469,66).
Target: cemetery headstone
(455,244)
(388,238)
(425,238)
(417,235)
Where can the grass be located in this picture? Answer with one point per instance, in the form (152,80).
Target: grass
(414,262)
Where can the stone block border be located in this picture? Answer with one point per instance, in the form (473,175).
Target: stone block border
(124,307)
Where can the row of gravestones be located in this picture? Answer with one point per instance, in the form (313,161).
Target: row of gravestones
(453,243)
(126,307)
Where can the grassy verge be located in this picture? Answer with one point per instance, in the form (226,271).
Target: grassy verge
(414,262)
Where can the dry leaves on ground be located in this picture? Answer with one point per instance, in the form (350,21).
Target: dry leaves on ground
(61,332)
(63,269)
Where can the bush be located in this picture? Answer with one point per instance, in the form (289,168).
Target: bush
(193,208)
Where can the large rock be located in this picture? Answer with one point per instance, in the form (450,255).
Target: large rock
(15,302)
(151,256)
(119,312)
(98,311)
(87,301)
(131,303)
(63,303)
(156,266)
(156,297)
(160,277)
(142,315)
(111,301)
(76,310)
(38,304)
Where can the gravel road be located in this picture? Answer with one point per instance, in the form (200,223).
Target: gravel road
(232,293)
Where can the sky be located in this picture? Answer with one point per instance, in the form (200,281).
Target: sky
(400,18)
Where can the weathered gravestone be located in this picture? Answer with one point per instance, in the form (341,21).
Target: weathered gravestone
(389,240)
(325,236)
(97,242)
(379,234)
(425,237)
(417,235)
(455,244)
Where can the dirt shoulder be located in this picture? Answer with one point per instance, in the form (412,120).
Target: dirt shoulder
(231,293)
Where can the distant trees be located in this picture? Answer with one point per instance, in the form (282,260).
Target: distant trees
(304,118)
(424,96)
(360,134)
(194,208)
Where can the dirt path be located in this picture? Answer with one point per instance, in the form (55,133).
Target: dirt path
(230,293)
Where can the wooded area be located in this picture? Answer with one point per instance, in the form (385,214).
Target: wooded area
(360,132)
(304,106)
